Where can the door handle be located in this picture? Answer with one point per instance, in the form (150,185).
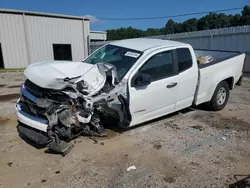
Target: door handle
(171,85)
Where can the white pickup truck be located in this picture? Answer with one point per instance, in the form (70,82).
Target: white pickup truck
(133,81)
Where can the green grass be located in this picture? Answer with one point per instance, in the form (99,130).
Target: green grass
(11,70)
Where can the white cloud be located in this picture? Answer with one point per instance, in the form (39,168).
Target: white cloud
(93,19)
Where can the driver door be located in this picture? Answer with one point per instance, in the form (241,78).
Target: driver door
(158,97)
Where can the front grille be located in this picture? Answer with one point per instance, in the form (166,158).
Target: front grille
(25,108)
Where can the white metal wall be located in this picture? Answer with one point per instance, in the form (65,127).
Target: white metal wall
(43,32)
(98,36)
(26,39)
(12,39)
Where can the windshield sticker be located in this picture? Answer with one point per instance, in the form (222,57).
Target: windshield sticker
(132,54)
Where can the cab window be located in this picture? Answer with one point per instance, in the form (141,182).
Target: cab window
(184,59)
(159,66)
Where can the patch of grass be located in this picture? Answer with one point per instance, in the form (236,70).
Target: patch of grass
(11,70)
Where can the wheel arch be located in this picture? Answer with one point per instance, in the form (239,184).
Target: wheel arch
(230,82)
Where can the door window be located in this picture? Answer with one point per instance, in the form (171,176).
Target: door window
(184,59)
(159,66)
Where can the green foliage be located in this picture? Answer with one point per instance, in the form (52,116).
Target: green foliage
(210,21)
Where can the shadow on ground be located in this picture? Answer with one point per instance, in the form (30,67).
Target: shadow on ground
(30,142)
(112,124)
(243,183)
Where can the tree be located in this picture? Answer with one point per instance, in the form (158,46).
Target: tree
(223,21)
(169,27)
(202,24)
(245,19)
(209,21)
(153,32)
(172,27)
(235,20)
(178,28)
(190,25)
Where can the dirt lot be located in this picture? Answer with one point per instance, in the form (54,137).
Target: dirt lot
(192,148)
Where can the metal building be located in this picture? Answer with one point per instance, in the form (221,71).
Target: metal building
(98,36)
(27,37)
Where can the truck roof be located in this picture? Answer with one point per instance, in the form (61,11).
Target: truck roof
(143,44)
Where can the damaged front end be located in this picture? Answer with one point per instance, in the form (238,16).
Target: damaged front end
(54,117)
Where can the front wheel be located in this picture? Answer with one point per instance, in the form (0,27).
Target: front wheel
(220,96)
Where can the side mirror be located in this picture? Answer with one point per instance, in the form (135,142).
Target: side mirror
(140,80)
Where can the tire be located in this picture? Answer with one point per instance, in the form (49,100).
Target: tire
(220,96)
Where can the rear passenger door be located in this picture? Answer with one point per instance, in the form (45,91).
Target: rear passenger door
(187,77)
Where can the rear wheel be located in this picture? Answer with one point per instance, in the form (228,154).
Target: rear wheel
(220,96)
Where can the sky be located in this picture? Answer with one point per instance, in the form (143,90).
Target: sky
(97,9)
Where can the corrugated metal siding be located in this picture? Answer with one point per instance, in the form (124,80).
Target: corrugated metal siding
(12,39)
(43,32)
(27,39)
(86,32)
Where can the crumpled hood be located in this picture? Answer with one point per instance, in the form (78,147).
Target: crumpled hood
(51,74)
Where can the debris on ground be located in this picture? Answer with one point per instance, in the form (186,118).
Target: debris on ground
(102,143)
(9,164)
(57,172)
(95,141)
(198,127)
(157,146)
(223,138)
(43,181)
(131,168)
(169,179)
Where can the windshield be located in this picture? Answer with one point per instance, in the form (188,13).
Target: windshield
(122,58)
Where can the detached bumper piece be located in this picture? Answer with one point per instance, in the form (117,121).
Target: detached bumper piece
(61,147)
(40,138)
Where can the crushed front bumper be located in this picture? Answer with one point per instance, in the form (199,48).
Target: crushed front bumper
(27,119)
(31,127)
(31,121)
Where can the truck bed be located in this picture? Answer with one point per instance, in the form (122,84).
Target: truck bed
(223,65)
(216,56)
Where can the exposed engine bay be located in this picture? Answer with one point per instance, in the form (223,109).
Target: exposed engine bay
(62,107)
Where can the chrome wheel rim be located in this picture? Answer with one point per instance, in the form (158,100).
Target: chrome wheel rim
(221,96)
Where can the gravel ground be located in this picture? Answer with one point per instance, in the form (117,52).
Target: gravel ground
(191,148)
